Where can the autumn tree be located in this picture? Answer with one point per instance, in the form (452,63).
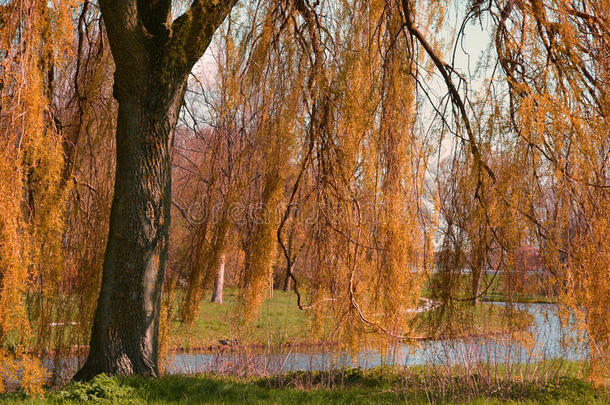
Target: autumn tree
(556,59)
(318,105)
(36,46)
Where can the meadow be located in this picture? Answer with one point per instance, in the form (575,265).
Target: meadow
(281,322)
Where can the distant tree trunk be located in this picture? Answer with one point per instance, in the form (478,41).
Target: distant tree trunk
(272,281)
(220,278)
(287,278)
(479,266)
(476,281)
(153,58)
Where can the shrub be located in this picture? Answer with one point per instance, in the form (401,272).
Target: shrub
(101,388)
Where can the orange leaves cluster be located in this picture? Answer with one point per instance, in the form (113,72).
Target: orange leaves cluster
(36,38)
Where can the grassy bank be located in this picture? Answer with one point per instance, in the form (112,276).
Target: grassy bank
(495,296)
(377,386)
(280,321)
(497,288)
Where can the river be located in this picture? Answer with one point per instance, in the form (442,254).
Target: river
(547,339)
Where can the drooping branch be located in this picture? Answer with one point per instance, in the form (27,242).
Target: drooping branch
(443,68)
(313,26)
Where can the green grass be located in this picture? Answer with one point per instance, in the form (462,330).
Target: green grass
(496,296)
(346,386)
(466,320)
(494,289)
(280,321)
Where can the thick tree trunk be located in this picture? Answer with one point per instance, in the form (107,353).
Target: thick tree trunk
(153,55)
(126,325)
(220,278)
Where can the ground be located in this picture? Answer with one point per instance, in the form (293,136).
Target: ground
(279,322)
(347,386)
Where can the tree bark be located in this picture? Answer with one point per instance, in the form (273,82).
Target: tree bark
(153,58)
(220,278)
(126,326)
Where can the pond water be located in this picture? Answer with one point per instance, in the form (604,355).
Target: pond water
(547,338)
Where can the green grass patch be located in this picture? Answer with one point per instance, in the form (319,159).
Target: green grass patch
(494,288)
(497,296)
(344,386)
(280,321)
(466,320)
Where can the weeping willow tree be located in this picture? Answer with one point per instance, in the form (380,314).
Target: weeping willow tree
(547,183)
(556,57)
(369,168)
(316,105)
(357,160)
(85,111)
(57,114)
(362,166)
(35,41)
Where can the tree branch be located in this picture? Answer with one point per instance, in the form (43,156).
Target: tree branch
(192,32)
(444,68)
(126,34)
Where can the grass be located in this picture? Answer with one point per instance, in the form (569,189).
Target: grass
(416,385)
(496,296)
(280,321)
(467,320)
(494,289)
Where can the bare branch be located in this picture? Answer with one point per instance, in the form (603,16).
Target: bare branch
(443,68)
